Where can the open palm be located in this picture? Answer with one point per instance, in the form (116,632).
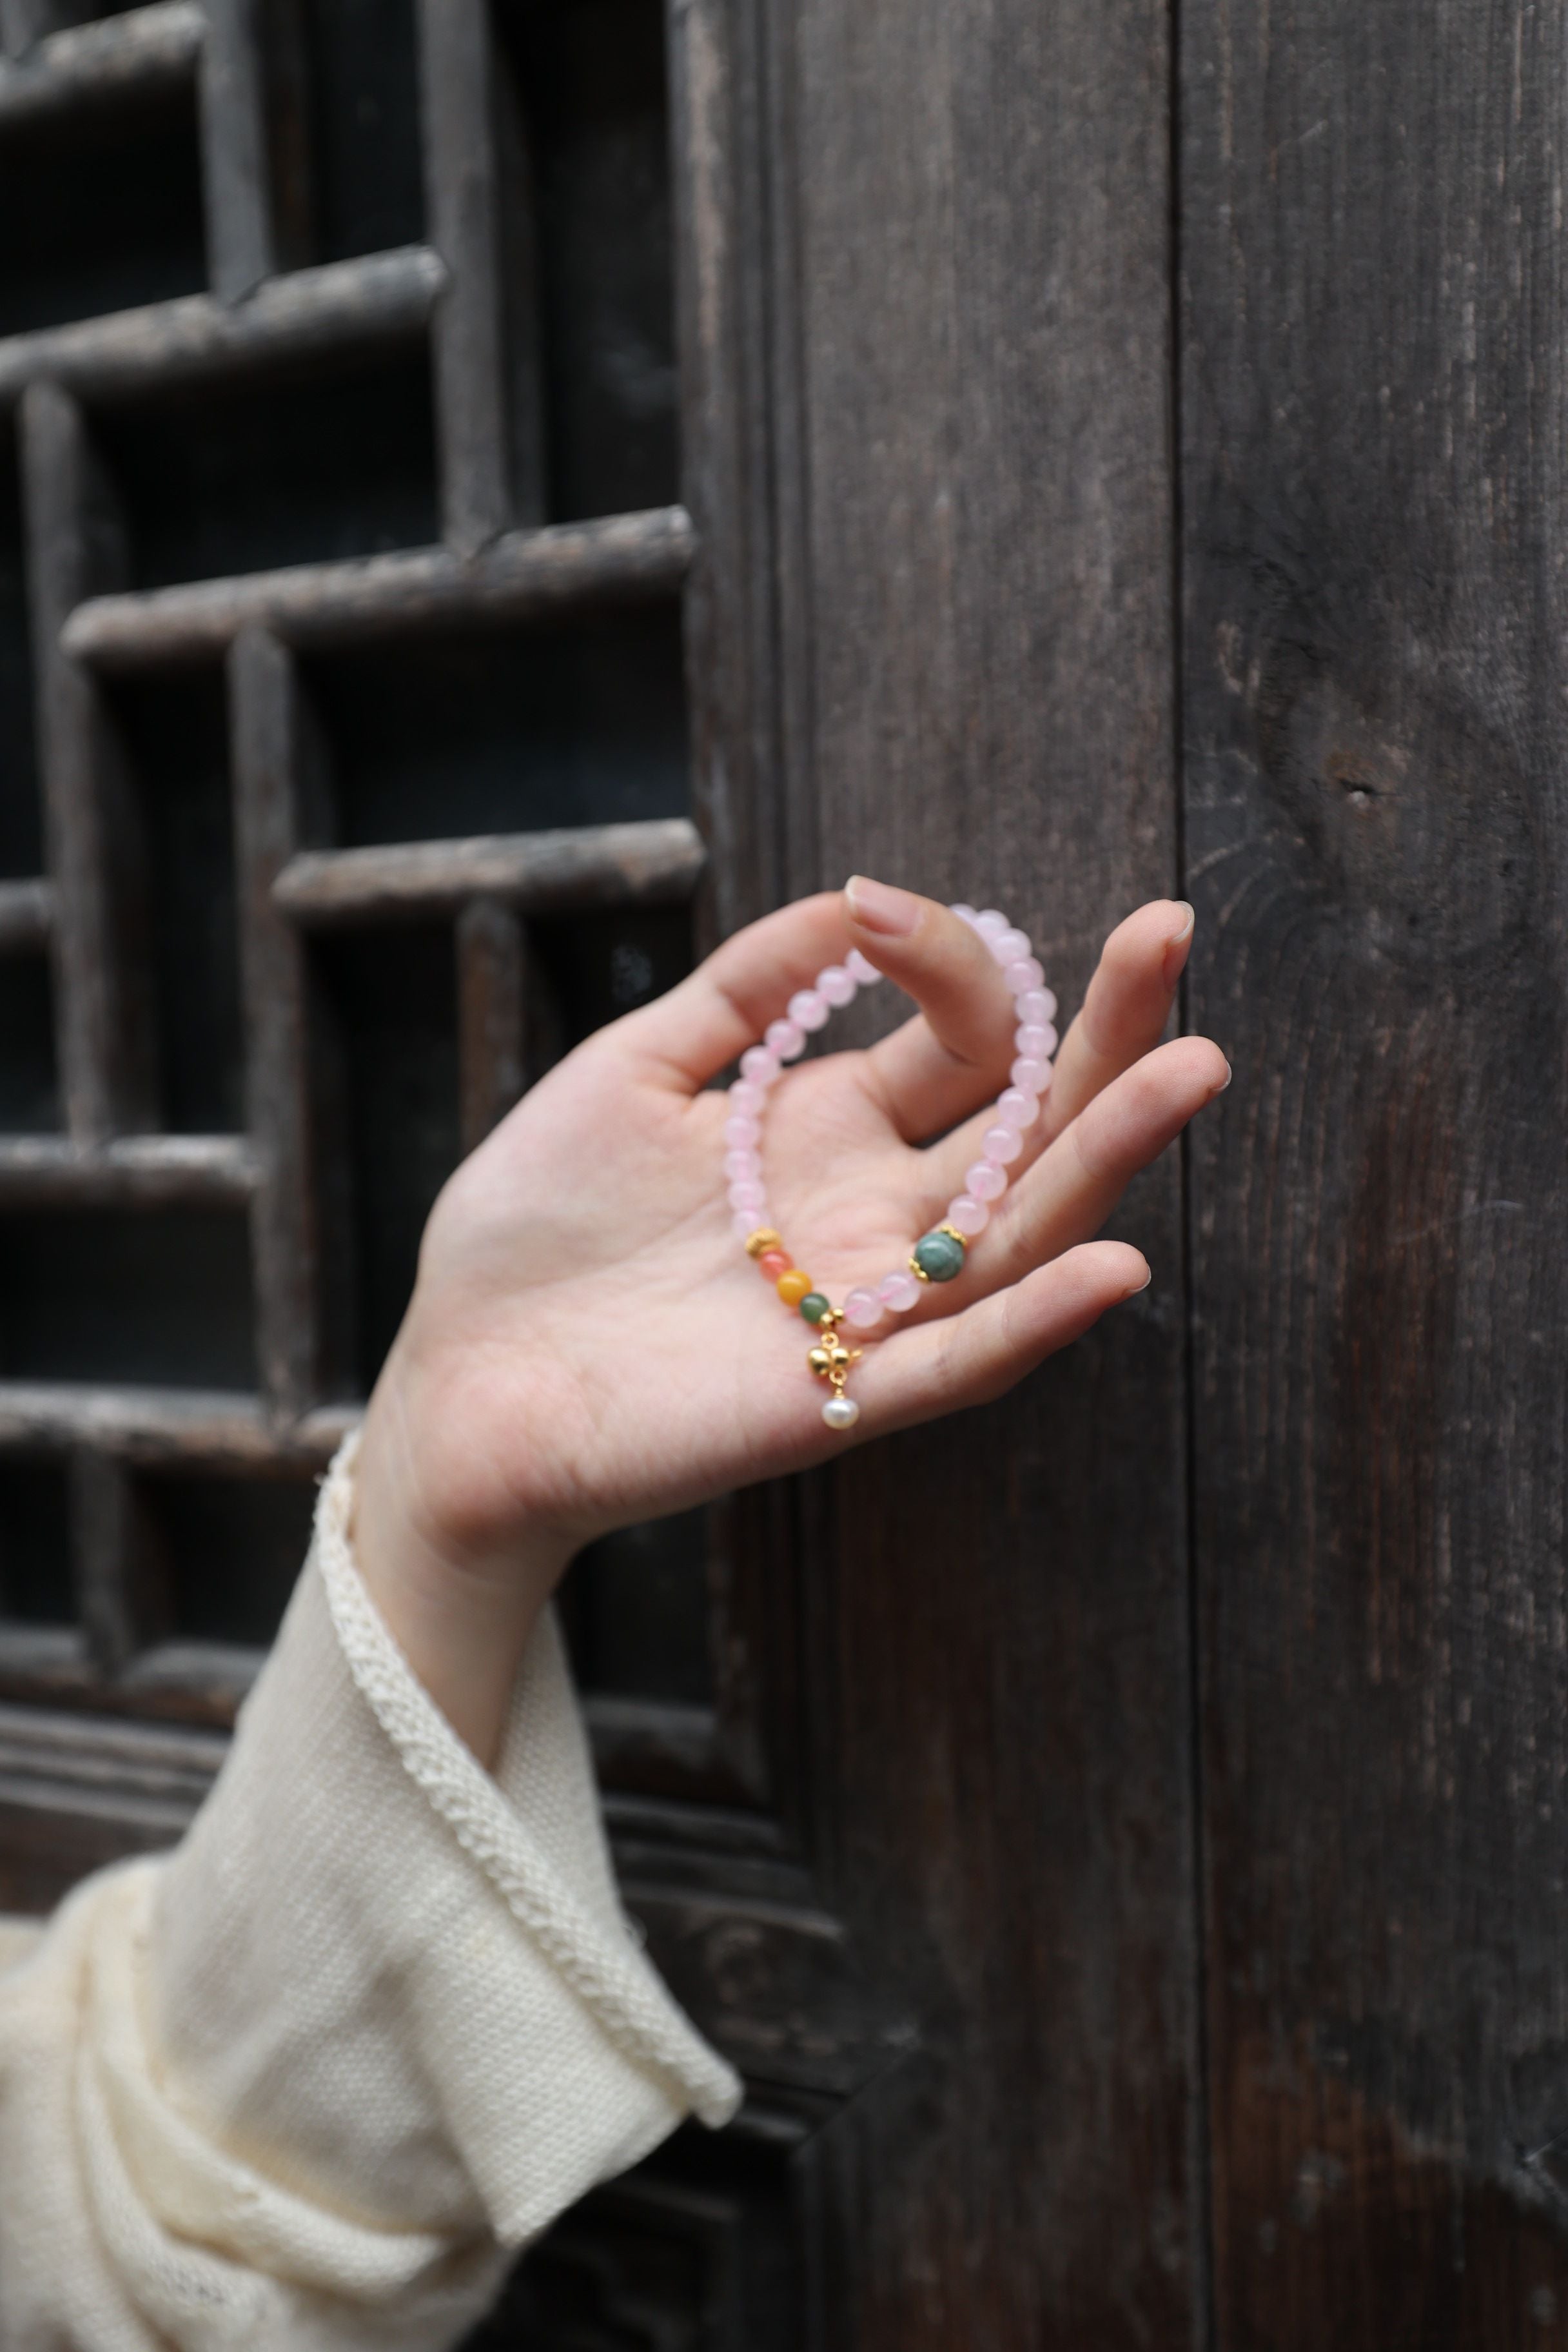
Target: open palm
(589,1344)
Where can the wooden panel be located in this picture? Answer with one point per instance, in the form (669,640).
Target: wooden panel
(1373,390)
(977,655)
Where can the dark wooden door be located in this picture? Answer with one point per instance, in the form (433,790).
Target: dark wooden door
(493,496)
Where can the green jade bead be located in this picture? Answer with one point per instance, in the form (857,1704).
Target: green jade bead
(814,1307)
(939,1257)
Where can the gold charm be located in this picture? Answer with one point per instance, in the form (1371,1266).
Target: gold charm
(831,1359)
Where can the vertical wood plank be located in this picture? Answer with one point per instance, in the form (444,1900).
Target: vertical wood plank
(105,1038)
(489,388)
(271,752)
(976,672)
(490,1015)
(1374,395)
(115,1570)
(728,424)
(236,164)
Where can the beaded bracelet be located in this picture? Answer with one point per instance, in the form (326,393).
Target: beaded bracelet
(939,1255)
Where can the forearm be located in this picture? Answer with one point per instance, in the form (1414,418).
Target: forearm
(461,1620)
(377,2019)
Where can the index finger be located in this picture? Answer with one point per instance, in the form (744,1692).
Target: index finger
(695,1031)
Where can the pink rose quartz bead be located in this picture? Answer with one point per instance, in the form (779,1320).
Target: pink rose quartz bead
(740,1133)
(991,924)
(747,1193)
(1016,1109)
(1024,976)
(1000,1144)
(898,1292)
(742,1225)
(986,1181)
(964,912)
(806,1010)
(741,1166)
(784,1040)
(746,1099)
(861,969)
(862,1308)
(967,1215)
(836,985)
(1038,1039)
(1037,1004)
(1011,947)
(759,1067)
(1034,1076)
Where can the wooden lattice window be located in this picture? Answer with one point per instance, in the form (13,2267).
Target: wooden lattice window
(347,732)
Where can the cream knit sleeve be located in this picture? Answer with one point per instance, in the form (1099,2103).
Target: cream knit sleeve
(305,2082)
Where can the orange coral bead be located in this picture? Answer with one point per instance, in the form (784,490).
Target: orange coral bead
(773,1263)
(793,1286)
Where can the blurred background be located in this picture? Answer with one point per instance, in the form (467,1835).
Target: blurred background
(494,494)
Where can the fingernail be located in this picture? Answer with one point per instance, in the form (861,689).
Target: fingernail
(1224,1082)
(878,907)
(1148,1279)
(1175,953)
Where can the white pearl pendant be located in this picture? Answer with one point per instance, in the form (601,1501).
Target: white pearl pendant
(841,1412)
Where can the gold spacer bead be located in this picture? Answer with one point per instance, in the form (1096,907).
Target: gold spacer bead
(962,1239)
(765,1238)
(917,1269)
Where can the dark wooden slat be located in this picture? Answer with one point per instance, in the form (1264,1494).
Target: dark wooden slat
(168,1428)
(92,64)
(346,306)
(527,576)
(268,755)
(490,1027)
(78,1791)
(26,914)
(659,1749)
(1374,382)
(976,663)
(104,1534)
(655,862)
(194,1683)
(781,1990)
(489,406)
(732,433)
(104,1012)
(236,173)
(21,23)
(138,1171)
(56,1755)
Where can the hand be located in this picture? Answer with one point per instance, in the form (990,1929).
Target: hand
(589,1344)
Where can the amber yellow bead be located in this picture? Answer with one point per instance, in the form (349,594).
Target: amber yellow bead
(793,1286)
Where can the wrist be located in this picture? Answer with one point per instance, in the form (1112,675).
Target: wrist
(461,1613)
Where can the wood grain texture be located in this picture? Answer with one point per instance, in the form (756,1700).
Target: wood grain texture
(236,159)
(343,306)
(480,204)
(104,1012)
(141,1170)
(98,64)
(27,916)
(523,576)
(1373,395)
(977,665)
(654,861)
(491,951)
(168,1428)
(272,753)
